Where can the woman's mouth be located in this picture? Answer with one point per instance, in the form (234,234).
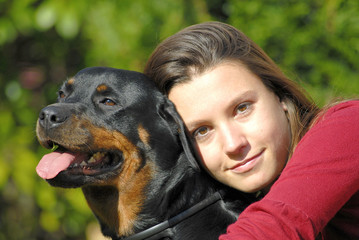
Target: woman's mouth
(247,164)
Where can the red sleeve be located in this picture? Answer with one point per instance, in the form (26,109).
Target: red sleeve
(319,179)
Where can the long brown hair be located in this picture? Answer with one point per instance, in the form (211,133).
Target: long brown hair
(200,47)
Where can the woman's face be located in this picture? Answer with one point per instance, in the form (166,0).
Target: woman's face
(239,125)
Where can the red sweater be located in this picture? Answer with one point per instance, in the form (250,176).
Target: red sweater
(317,192)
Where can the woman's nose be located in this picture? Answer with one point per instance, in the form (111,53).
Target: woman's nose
(233,139)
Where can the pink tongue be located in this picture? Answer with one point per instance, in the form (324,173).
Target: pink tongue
(53,163)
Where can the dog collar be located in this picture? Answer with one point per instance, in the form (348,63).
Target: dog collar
(150,232)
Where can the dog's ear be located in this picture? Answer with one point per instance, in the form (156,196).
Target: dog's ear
(168,112)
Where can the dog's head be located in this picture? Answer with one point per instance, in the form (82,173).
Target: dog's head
(119,139)
(108,123)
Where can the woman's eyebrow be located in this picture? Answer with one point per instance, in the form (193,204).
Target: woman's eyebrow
(193,125)
(242,96)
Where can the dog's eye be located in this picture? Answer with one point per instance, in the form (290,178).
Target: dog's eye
(108,102)
(61,94)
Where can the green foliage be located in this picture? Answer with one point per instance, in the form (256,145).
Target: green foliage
(44,42)
(315,42)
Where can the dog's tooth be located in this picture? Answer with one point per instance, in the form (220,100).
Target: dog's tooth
(99,155)
(83,163)
(92,160)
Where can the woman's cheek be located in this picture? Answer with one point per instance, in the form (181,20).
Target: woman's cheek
(210,158)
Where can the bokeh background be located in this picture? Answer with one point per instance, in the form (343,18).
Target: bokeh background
(42,42)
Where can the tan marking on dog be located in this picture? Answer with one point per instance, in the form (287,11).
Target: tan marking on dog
(130,183)
(143,134)
(103,201)
(71,81)
(72,134)
(101,88)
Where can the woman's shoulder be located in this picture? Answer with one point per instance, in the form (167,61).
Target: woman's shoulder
(345,104)
(337,121)
(345,110)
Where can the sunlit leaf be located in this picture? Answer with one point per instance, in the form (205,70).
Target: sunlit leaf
(46,16)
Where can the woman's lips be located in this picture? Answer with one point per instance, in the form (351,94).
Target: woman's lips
(247,164)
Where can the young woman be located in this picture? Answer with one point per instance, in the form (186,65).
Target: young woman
(257,131)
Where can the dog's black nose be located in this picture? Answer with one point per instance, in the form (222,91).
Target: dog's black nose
(52,116)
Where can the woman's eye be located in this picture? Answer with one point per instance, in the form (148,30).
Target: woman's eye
(108,102)
(242,108)
(200,132)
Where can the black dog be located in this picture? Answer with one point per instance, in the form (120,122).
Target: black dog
(124,144)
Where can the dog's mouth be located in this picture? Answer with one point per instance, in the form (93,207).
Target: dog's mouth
(77,163)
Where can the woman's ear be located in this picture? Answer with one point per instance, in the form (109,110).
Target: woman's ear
(169,113)
(284,105)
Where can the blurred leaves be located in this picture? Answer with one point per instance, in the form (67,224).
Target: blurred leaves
(315,40)
(42,42)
